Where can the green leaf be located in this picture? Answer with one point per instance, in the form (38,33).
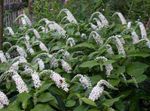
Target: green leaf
(24,98)
(89,64)
(136,68)
(110,102)
(81,108)
(45,97)
(42,107)
(88,101)
(70,103)
(85,45)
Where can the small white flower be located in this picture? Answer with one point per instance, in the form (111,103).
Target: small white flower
(143,30)
(129,25)
(99,24)
(96,93)
(54,62)
(21,51)
(84,80)
(2,57)
(108,67)
(123,20)
(36,79)
(59,81)
(69,16)
(11,32)
(20,84)
(94,27)
(71,42)
(36,33)
(67,68)
(119,46)
(40,63)
(135,37)
(66,55)
(103,19)
(43,47)
(109,49)
(3,100)
(96,37)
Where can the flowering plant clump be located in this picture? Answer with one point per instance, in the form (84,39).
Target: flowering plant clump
(72,65)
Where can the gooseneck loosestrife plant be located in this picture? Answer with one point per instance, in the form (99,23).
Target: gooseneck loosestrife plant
(72,66)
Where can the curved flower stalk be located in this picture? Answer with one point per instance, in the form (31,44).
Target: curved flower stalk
(20,84)
(44,30)
(2,57)
(109,49)
(84,36)
(65,53)
(29,47)
(84,80)
(129,25)
(35,32)
(122,18)
(119,45)
(53,60)
(10,31)
(54,26)
(96,37)
(71,42)
(108,67)
(98,90)
(3,100)
(143,30)
(99,24)
(146,40)
(36,79)
(42,46)
(69,16)
(59,81)
(40,63)
(67,68)
(101,17)
(15,65)
(135,37)
(94,27)
(25,20)
(7,44)
(19,49)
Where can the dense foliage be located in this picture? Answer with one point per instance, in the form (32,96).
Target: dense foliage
(82,9)
(97,65)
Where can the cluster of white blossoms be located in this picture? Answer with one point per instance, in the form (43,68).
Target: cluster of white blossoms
(3,100)
(84,80)
(35,32)
(108,67)
(21,51)
(40,63)
(10,31)
(97,91)
(109,49)
(36,79)
(52,25)
(43,47)
(123,20)
(2,57)
(119,45)
(143,30)
(24,19)
(71,42)
(69,16)
(54,62)
(96,37)
(59,81)
(29,47)
(67,68)
(20,84)
(135,37)
(100,20)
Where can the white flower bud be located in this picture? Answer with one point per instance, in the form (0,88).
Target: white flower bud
(3,100)
(59,81)
(67,68)
(36,79)
(2,57)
